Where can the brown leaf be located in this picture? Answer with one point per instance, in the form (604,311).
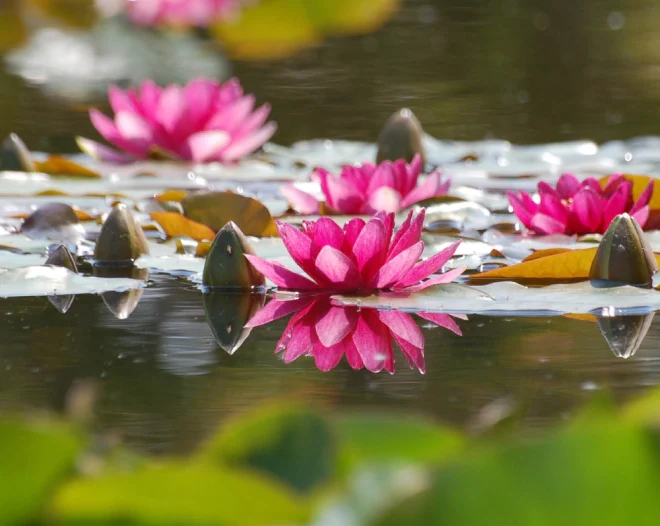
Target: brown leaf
(216,209)
(58,165)
(172,195)
(176,225)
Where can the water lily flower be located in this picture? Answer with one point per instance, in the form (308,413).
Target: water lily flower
(576,207)
(181,13)
(203,121)
(361,257)
(366,189)
(327,332)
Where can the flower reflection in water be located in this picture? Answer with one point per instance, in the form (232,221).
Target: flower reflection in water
(327,332)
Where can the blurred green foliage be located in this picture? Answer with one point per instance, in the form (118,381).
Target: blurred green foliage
(290,464)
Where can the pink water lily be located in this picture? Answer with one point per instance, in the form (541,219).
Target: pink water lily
(182,13)
(366,189)
(201,122)
(576,207)
(361,257)
(327,332)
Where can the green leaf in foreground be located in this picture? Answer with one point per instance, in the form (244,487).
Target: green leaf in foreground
(177,494)
(598,472)
(294,444)
(369,438)
(33,459)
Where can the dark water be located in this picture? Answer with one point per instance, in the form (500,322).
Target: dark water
(523,70)
(164,383)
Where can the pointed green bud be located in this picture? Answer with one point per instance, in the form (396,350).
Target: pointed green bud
(61,257)
(624,254)
(226,266)
(624,334)
(227,314)
(401,138)
(121,239)
(15,156)
(122,304)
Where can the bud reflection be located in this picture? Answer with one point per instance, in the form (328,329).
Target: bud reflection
(624,334)
(228,313)
(122,304)
(327,332)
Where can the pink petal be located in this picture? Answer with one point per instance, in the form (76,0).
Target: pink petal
(300,343)
(340,194)
(276,309)
(442,320)
(338,269)
(546,190)
(280,275)
(172,108)
(447,277)
(353,356)
(432,187)
(132,127)
(547,225)
(370,248)
(383,177)
(335,324)
(397,267)
(613,183)
(106,127)
(644,198)
(120,101)
(520,210)
(588,209)
(414,355)
(384,199)
(301,202)
(552,205)
(102,153)
(232,116)
(254,121)
(204,145)
(328,233)
(352,230)
(411,236)
(617,203)
(149,100)
(430,266)
(642,215)
(403,326)
(567,185)
(401,231)
(327,358)
(371,339)
(250,143)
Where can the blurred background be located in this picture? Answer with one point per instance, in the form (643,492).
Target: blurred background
(524,70)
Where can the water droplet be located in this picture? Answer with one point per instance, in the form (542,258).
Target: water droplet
(589,386)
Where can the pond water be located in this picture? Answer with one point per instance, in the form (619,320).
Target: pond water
(525,71)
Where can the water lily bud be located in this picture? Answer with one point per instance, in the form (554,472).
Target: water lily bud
(624,334)
(56,221)
(624,254)
(400,138)
(122,304)
(61,257)
(121,238)
(15,156)
(226,266)
(227,315)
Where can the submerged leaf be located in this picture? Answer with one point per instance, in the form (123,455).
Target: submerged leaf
(624,254)
(226,265)
(227,315)
(400,138)
(176,225)
(216,209)
(121,238)
(15,156)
